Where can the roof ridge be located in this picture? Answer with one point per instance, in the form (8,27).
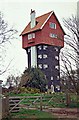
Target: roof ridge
(44,14)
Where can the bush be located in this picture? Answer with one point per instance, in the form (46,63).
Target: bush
(29,90)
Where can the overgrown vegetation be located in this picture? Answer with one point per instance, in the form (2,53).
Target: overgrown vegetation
(34,78)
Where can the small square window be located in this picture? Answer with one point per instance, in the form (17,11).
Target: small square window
(53,35)
(40,47)
(52,25)
(51,77)
(56,57)
(29,50)
(58,87)
(45,66)
(44,56)
(29,36)
(44,47)
(56,48)
(58,77)
(40,56)
(57,67)
(40,66)
(33,35)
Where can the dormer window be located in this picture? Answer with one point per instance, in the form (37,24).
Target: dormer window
(30,36)
(52,25)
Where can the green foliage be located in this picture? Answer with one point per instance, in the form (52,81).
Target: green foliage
(29,90)
(34,78)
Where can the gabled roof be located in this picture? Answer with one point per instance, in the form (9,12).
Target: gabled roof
(41,20)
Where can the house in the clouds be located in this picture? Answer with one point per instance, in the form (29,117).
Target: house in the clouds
(43,39)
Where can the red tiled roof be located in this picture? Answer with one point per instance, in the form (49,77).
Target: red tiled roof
(40,21)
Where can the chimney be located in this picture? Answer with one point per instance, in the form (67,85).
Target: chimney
(33,21)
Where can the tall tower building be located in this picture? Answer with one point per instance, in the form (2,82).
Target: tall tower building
(43,39)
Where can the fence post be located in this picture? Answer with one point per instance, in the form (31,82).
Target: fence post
(41,103)
(5,106)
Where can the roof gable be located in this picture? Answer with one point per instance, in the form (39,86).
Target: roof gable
(40,22)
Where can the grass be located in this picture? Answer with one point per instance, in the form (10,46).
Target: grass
(36,114)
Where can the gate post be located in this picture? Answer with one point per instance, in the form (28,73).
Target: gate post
(41,103)
(5,107)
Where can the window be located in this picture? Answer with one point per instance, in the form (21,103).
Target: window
(44,56)
(45,66)
(58,87)
(40,56)
(51,77)
(53,35)
(33,35)
(57,67)
(40,47)
(52,25)
(56,48)
(44,47)
(64,83)
(29,50)
(40,66)
(30,36)
(58,77)
(56,57)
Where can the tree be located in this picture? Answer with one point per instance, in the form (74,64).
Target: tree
(12,83)
(6,35)
(34,77)
(70,54)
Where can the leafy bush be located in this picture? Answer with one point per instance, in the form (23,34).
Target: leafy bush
(29,90)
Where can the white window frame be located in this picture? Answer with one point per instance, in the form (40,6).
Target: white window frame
(44,47)
(40,66)
(51,77)
(45,66)
(40,56)
(53,35)
(45,56)
(29,49)
(58,87)
(56,48)
(40,47)
(52,25)
(57,67)
(56,57)
(31,35)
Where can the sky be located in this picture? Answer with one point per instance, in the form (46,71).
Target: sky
(17,14)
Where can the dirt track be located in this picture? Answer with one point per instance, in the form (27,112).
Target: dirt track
(70,113)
